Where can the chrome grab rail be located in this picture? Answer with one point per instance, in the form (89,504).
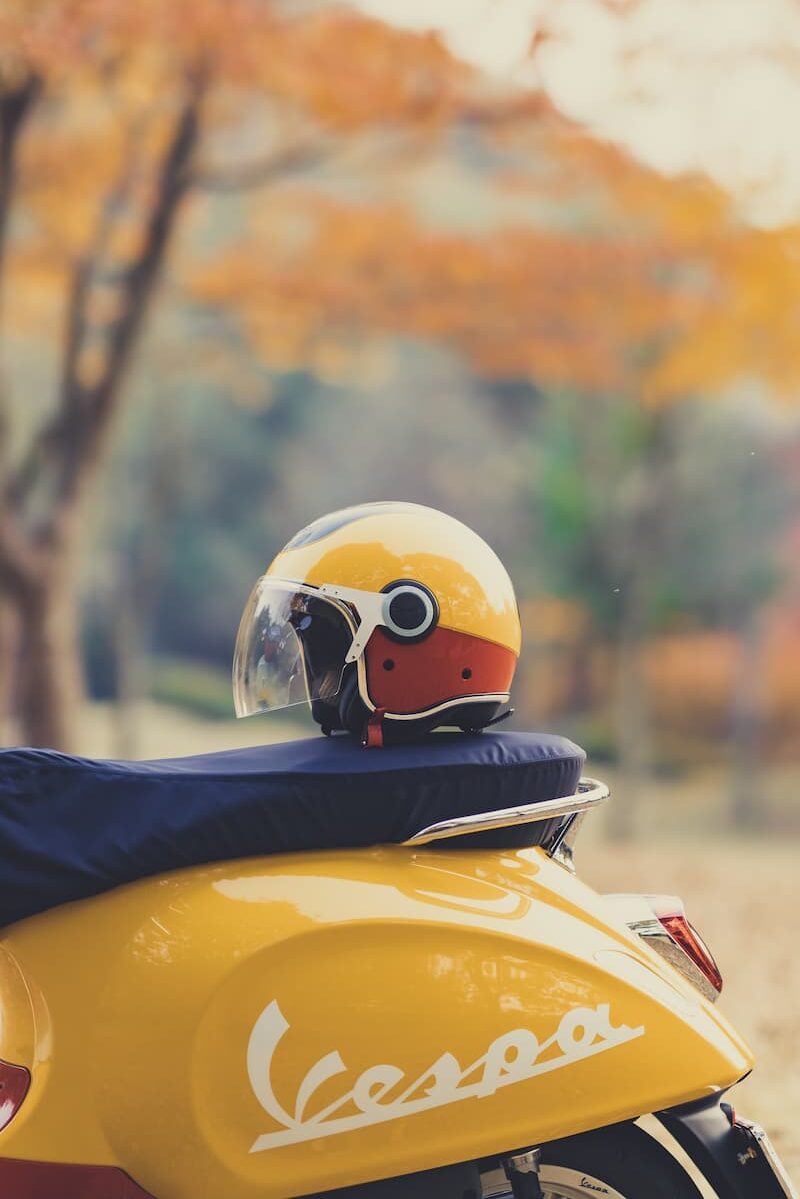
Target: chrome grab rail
(589,794)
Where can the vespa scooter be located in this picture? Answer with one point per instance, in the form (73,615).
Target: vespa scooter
(305,969)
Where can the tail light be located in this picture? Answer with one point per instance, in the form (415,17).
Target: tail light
(49,1180)
(662,922)
(687,938)
(14,1083)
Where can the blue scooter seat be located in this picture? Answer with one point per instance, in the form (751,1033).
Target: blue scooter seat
(72,827)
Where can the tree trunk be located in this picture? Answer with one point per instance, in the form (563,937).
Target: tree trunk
(49,668)
(581,688)
(132,673)
(9,654)
(15,106)
(746,726)
(644,510)
(632,732)
(55,477)
(140,575)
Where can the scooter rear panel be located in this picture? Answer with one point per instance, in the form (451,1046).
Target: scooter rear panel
(18,1034)
(276,1027)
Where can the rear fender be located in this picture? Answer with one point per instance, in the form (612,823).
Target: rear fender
(284,1026)
(25,1042)
(725,1151)
(17,1029)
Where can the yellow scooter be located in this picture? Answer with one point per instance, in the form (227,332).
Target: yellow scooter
(306,969)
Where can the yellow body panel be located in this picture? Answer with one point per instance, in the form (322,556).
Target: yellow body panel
(269,1028)
(471,585)
(17,1031)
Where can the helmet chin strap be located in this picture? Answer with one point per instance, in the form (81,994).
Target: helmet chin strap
(373,731)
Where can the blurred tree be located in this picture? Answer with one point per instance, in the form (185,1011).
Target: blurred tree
(524,302)
(545,302)
(619,284)
(649,519)
(115,118)
(110,115)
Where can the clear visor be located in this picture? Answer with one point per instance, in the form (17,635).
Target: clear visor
(290,649)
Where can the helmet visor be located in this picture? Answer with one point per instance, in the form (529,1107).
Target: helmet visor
(290,649)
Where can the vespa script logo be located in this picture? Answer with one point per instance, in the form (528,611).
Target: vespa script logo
(511,1058)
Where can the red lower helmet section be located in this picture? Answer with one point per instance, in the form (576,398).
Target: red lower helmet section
(445,667)
(48,1180)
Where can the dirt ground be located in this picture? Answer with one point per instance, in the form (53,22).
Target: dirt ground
(744,897)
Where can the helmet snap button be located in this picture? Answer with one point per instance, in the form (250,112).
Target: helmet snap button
(408,611)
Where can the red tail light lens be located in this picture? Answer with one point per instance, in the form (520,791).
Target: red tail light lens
(48,1180)
(661,922)
(14,1083)
(685,935)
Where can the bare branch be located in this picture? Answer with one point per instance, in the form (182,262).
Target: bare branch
(87,268)
(256,174)
(83,276)
(20,560)
(90,408)
(66,448)
(138,280)
(44,445)
(15,105)
(5,425)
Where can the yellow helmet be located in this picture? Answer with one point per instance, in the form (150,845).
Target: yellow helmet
(390,618)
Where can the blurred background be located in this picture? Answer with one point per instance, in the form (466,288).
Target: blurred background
(536,263)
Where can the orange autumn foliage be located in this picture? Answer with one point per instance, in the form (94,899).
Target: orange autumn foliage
(524,302)
(117,119)
(619,280)
(690,679)
(732,308)
(628,281)
(616,280)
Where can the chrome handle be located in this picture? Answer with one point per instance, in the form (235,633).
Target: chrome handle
(589,794)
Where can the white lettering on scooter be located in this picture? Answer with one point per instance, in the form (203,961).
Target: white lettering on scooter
(511,1058)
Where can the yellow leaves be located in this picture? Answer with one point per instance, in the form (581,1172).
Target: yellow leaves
(33,290)
(750,326)
(125,238)
(682,209)
(347,71)
(642,315)
(88,166)
(91,363)
(141,79)
(519,303)
(336,66)
(103,306)
(67,164)
(711,302)
(555,620)
(331,361)
(616,278)
(57,36)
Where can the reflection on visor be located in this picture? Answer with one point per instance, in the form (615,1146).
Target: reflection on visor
(279,667)
(290,649)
